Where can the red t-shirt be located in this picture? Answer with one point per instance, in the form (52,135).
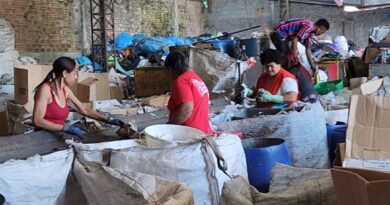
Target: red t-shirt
(189,87)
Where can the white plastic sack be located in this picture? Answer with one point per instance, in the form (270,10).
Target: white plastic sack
(7,36)
(7,61)
(218,70)
(36,180)
(104,185)
(343,44)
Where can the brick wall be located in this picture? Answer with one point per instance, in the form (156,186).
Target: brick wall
(46,29)
(40,25)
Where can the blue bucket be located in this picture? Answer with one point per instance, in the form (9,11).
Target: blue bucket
(261,156)
(336,134)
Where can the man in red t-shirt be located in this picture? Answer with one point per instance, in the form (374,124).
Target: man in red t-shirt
(189,102)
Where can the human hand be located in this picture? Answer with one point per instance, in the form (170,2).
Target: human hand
(116,122)
(246,92)
(266,96)
(74,131)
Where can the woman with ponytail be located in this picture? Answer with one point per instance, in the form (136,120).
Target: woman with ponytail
(53,96)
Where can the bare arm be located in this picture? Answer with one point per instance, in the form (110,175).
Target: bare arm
(290,97)
(75,103)
(41,99)
(294,44)
(182,113)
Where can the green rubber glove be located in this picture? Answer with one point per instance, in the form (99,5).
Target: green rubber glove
(268,97)
(246,92)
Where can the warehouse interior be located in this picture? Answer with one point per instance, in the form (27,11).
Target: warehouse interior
(181,102)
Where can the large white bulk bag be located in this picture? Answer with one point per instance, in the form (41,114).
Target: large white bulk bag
(36,180)
(194,164)
(94,152)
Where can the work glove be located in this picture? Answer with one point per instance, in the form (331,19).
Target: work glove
(246,92)
(116,122)
(265,96)
(74,131)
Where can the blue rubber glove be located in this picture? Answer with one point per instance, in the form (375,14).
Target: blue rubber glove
(74,131)
(117,122)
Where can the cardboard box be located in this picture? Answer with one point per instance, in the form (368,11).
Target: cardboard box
(359,68)
(366,88)
(340,155)
(370,53)
(116,92)
(4,127)
(87,90)
(26,78)
(156,101)
(149,81)
(361,187)
(367,140)
(102,86)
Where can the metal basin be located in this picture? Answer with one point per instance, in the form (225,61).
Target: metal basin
(254,112)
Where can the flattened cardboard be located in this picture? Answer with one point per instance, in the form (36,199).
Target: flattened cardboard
(368,133)
(156,101)
(371,86)
(361,187)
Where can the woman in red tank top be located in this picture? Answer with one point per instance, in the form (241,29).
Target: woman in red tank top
(53,96)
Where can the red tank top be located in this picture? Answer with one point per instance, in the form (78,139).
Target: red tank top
(54,112)
(274,87)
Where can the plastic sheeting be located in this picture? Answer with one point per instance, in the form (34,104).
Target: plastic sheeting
(304,133)
(37,180)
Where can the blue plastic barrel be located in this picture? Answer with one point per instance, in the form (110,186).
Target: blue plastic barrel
(225,46)
(261,156)
(251,47)
(336,134)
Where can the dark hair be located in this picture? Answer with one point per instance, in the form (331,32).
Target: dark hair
(271,55)
(323,22)
(59,65)
(177,61)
